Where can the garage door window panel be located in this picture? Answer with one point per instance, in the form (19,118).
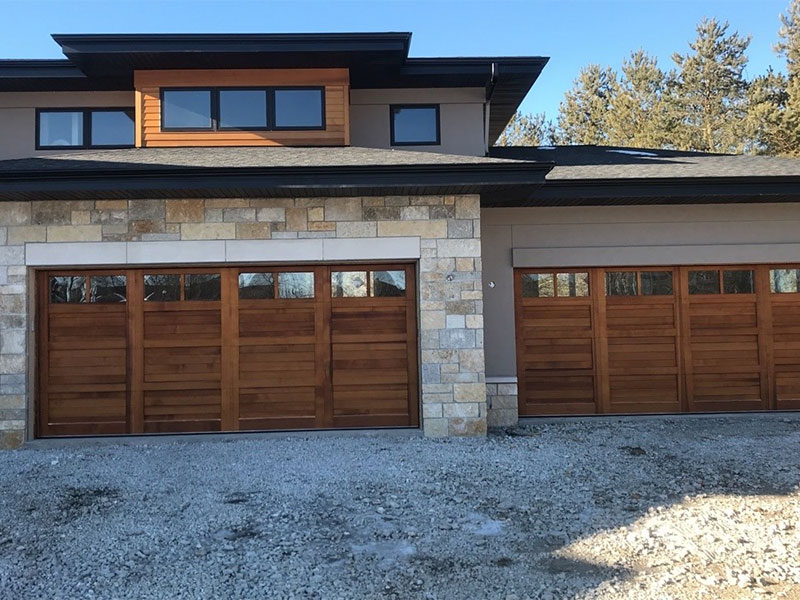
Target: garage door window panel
(572,285)
(68,289)
(656,283)
(108,289)
(256,286)
(784,281)
(738,282)
(162,288)
(295,285)
(704,282)
(387,284)
(622,283)
(349,284)
(538,285)
(202,286)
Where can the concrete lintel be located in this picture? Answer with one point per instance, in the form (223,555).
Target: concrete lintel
(75,253)
(308,250)
(620,256)
(388,248)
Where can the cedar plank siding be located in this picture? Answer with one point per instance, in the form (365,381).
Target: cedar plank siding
(148,107)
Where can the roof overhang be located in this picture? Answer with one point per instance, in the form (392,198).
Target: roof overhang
(687,190)
(513,179)
(375,60)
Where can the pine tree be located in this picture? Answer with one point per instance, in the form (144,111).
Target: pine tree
(636,116)
(774,100)
(583,115)
(772,124)
(527,130)
(789,33)
(708,100)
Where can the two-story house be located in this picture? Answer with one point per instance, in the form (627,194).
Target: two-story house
(264,232)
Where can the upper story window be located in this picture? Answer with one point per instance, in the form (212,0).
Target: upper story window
(415,124)
(250,109)
(59,128)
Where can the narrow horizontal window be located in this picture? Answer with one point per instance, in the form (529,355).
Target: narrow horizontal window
(738,282)
(784,281)
(388,284)
(201,286)
(414,125)
(186,109)
(242,109)
(621,283)
(162,288)
(68,290)
(349,284)
(704,282)
(295,285)
(572,285)
(61,129)
(256,286)
(656,283)
(84,128)
(108,288)
(299,109)
(111,128)
(538,285)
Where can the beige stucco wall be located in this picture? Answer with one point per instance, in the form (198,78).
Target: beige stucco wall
(618,236)
(446,231)
(18,115)
(461,113)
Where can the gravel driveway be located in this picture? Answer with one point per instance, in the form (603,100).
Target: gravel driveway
(669,508)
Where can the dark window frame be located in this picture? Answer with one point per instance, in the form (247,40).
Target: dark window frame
(271,116)
(212,109)
(215,107)
(86,112)
(436,107)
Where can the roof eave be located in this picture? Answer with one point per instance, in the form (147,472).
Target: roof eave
(297,181)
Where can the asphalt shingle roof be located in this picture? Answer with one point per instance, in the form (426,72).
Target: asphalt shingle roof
(237,157)
(607,162)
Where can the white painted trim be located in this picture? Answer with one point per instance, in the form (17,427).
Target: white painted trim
(501,380)
(620,256)
(220,251)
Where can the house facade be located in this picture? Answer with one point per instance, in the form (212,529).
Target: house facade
(268,232)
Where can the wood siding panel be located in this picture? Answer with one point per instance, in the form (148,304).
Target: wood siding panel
(148,107)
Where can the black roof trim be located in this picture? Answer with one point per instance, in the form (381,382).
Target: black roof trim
(59,74)
(270,181)
(685,190)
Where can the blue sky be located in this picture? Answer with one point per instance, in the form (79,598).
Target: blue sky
(571,32)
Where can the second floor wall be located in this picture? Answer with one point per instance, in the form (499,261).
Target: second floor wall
(361,117)
(18,127)
(460,113)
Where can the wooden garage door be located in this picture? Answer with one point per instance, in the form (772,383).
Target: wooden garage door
(226,349)
(658,339)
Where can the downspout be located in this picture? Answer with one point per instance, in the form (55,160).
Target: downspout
(486,106)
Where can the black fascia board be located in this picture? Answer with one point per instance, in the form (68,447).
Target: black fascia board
(108,54)
(19,184)
(23,75)
(665,190)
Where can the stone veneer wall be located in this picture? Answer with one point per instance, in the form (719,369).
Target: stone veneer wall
(450,295)
(501,398)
